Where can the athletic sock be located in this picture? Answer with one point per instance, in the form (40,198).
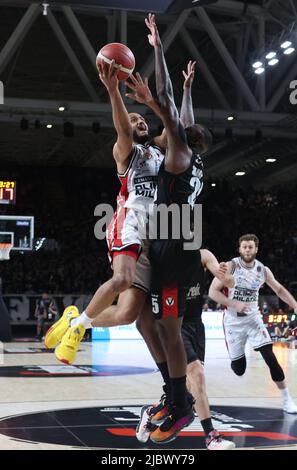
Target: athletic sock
(82,319)
(207,426)
(163,368)
(285,394)
(179,392)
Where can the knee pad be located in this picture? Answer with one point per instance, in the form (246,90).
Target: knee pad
(239,366)
(276,372)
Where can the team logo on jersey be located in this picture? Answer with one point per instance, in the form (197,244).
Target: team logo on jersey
(169,301)
(141,164)
(193,292)
(147,154)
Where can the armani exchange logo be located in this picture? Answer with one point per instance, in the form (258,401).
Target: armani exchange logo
(193,292)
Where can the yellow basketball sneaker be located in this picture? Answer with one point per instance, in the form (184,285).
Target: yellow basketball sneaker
(56,332)
(67,349)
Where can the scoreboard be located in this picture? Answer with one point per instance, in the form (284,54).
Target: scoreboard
(275,318)
(7,192)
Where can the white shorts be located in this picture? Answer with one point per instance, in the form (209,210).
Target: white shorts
(126,228)
(143,269)
(239,330)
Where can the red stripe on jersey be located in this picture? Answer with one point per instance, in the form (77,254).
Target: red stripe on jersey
(226,343)
(225,291)
(170,302)
(115,227)
(124,187)
(132,250)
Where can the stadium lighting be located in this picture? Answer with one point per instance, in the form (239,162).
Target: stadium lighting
(240,173)
(257,64)
(259,70)
(289,50)
(45,7)
(270,160)
(273,61)
(270,55)
(286,44)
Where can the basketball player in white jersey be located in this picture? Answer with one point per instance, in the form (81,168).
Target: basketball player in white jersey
(142,174)
(138,164)
(242,321)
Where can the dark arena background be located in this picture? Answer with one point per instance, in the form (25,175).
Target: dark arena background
(56,166)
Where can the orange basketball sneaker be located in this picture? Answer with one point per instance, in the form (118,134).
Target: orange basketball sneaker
(178,419)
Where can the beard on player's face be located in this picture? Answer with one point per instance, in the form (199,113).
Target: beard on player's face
(140,137)
(248,257)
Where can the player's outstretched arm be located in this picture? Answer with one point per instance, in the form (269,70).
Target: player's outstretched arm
(179,154)
(123,145)
(280,290)
(140,92)
(187,112)
(163,81)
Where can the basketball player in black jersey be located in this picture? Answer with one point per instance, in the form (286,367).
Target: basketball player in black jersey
(193,335)
(179,181)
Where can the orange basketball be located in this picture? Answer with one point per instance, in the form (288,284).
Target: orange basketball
(121,54)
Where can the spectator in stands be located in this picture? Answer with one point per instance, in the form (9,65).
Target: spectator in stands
(293,329)
(45,311)
(282,330)
(205,308)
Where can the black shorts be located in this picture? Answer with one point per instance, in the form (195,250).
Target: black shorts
(168,301)
(193,334)
(174,271)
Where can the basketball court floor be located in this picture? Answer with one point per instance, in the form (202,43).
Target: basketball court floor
(95,403)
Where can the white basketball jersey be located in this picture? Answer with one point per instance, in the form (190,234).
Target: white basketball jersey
(140,179)
(248,281)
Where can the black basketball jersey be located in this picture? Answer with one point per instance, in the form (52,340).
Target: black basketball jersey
(183,188)
(171,263)
(195,293)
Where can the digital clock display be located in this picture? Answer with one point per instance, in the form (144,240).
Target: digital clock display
(275,318)
(7,192)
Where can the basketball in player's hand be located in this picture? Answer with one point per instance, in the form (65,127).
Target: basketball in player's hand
(121,54)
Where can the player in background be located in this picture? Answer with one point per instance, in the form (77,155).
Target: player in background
(245,326)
